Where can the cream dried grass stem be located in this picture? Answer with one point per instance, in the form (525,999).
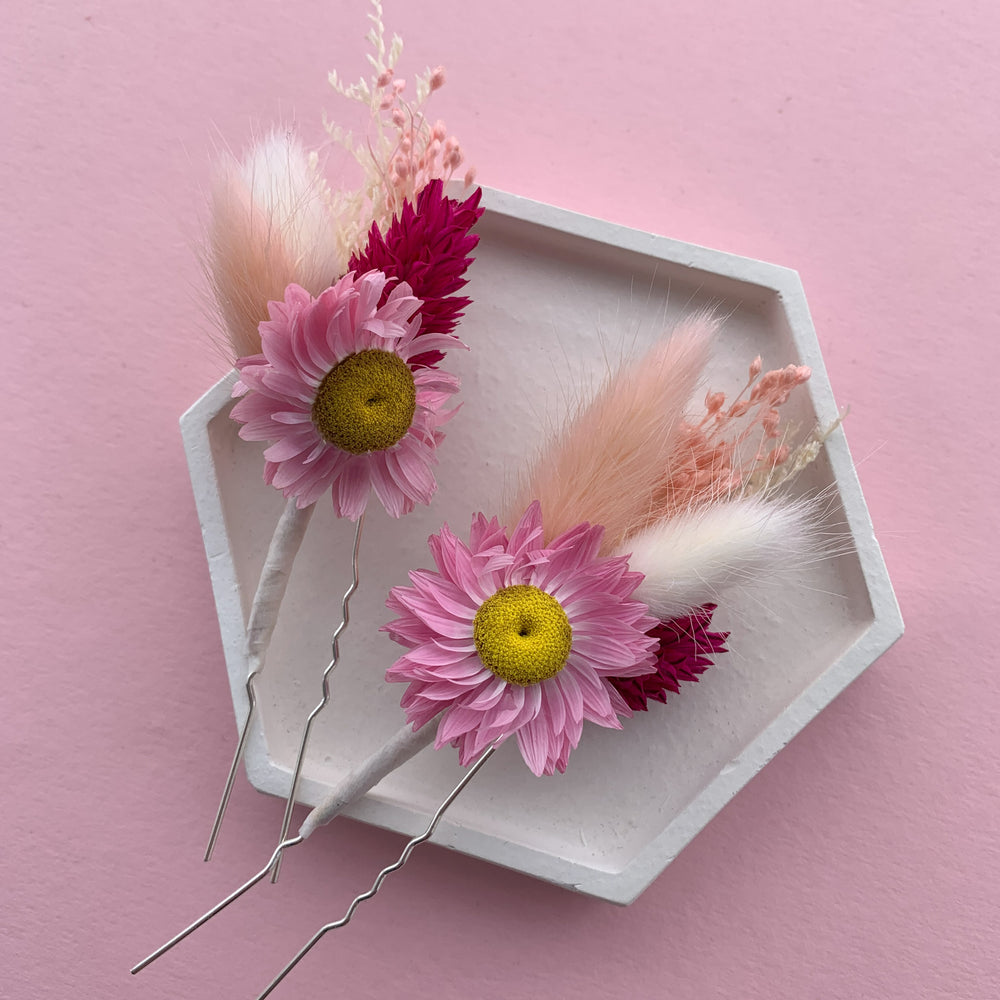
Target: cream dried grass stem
(395,752)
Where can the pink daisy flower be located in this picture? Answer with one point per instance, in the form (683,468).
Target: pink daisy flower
(511,635)
(684,651)
(335,393)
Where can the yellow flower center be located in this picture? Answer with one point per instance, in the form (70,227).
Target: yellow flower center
(366,403)
(522,634)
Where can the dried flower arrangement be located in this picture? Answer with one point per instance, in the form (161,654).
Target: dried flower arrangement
(339,306)
(601,596)
(592,594)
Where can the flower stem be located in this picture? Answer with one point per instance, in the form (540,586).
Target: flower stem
(392,754)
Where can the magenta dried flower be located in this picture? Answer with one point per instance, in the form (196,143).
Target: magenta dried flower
(685,649)
(428,247)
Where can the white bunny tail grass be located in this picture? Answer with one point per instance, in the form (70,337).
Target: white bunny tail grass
(698,556)
(270,226)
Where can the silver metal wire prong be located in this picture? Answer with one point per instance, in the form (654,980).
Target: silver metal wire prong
(382,875)
(331,666)
(285,544)
(237,757)
(219,907)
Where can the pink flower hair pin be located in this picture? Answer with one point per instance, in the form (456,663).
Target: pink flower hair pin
(339,306)
(633,524)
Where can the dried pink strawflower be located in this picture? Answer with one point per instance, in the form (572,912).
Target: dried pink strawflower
(335,393)
(428,246)
(685,650)
(513,635)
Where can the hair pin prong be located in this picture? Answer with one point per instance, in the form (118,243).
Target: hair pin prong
(386,872)
(219,907)
(322,703)
(355,903)
(281,553)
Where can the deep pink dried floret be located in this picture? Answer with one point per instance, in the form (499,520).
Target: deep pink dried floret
(685,650)
(443,667)
(302,342)
(428,247)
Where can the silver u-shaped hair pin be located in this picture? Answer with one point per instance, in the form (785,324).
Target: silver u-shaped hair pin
(386,872)
(322,703)
(274,578)
(411,845)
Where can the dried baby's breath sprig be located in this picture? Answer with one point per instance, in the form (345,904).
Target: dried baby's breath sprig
(769,477)
(403,150)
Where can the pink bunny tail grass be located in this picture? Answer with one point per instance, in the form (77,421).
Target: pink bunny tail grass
(269,228)
(606,465)
(245,271)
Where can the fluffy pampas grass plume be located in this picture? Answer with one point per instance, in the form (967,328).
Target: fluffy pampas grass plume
(270,227)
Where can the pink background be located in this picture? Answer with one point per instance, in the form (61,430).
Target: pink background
(856,142)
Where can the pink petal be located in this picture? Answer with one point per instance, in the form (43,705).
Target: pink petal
(292,417)
(432,614)
(528,529)
(596,701)
(410,468)
(434,654)
(395,501)
(292,445)
(572,697)
(540,746)
(443,342)
(456,722)
(288,387)
(489,695)
(456,602)
(553,705)
(350,494)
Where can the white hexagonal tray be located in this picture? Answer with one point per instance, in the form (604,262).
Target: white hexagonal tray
(557,298)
